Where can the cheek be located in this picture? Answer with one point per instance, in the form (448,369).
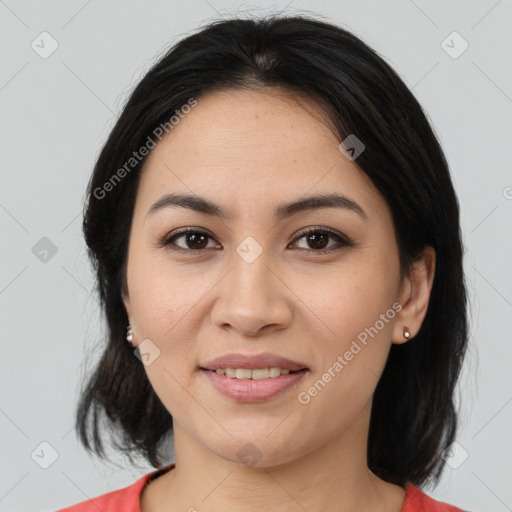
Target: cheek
(350,366)
(351,298)
(356,306)
(162,294)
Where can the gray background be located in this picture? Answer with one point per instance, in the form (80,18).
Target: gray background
(57,111)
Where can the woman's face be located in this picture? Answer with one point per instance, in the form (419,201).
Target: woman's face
(249,282)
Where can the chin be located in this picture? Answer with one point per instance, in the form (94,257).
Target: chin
(259,451)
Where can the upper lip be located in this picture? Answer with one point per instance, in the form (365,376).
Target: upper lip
(253,361)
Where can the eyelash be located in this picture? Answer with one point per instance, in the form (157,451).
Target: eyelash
(344,241)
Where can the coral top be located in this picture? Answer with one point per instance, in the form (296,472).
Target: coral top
(128,499)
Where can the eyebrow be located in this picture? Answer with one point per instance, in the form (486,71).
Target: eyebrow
(283,211)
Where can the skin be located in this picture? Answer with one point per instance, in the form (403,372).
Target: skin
(249,152)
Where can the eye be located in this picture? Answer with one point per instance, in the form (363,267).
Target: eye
(317,237)
(196,240)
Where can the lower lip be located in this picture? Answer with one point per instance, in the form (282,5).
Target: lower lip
(250,390)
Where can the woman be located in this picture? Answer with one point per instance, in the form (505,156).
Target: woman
(277,245)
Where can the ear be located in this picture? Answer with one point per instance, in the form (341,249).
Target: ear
(414,296)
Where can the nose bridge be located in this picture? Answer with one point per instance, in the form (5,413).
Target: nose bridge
(252,279)
(252,296)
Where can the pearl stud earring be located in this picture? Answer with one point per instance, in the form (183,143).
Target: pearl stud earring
(129,334)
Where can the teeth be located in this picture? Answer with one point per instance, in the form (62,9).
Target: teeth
(262,373)
(274,372)
(243,373)
(257,374)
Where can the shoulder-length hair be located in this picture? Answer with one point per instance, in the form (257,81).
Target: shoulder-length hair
(413,415)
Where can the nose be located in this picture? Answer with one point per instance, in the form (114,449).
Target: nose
(252,298)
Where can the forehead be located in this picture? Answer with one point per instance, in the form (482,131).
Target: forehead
(263,125)
(254,147)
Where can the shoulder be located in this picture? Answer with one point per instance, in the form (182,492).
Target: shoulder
(126,499)
(417,501)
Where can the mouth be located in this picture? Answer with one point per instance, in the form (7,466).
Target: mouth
(254,374)
(253,378)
